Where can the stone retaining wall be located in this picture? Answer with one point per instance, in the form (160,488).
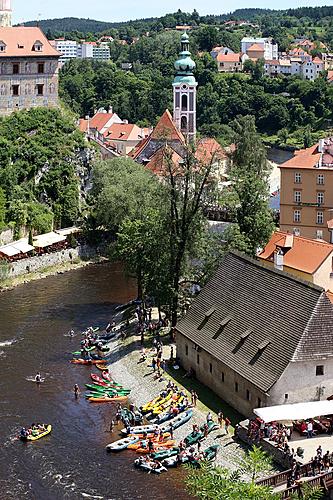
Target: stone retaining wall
(37,263)
(6,236)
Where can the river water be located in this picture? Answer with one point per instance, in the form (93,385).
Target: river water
(70,463)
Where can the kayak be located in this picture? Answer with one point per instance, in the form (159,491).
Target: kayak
(149,466)
(157,446)
(99,388)
(88,349)
(38,436)
(163,454)
(85,361)
(105,394)
(208,454)
(148,406)
(151,435)
(106,375)
(160,409)
(101,381)
(106,399)
(140,429)
(167,415)
(155,440)
(122,444)
(132,416)
(101,366)
(181,419)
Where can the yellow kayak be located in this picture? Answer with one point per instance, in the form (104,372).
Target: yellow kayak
(40,435)
(151,403)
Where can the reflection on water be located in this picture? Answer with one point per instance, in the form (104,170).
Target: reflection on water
(70,463)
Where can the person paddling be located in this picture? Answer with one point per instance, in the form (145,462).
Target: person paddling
(38,378)
(76,391)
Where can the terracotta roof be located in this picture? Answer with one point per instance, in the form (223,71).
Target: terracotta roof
(139,148)
(166,129)
(277,310)
(158,162)
(207,148)
(99,120)
(305,158)
(305,255)
(123,132)
(228,57)
(256,47)
(20,42)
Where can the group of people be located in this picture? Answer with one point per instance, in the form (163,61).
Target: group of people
(33,430)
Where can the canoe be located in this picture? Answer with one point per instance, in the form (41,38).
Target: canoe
(88,349)
(139,429)
(110,394)
(85,361)
(122,444)
(150,466)
(176,422)
(102,381)
(157,446)
(99,388)
(39,436)
(102,399)
(163,454)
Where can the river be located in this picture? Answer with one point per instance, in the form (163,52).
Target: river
(70,463)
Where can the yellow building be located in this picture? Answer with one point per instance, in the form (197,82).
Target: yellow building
(310,260)
(306,199)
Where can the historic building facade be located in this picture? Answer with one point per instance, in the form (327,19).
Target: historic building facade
(5,13)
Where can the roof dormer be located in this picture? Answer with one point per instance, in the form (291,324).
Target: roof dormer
(3,46)
(37,46)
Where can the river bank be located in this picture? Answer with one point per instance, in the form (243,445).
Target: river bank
(10,283)
(140,378)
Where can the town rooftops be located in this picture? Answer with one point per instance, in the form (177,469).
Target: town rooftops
(24,41)
(300,253)
(166,129)
(256,48)
(288,319)
(123,132)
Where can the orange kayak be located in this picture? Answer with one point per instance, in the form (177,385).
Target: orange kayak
(86,362)
(150,435)
(158,446)
(107,399)
(101,365)
(137,445)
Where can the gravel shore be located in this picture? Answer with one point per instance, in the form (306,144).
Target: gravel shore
(139,377)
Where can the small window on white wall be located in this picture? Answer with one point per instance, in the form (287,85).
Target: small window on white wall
(320,370)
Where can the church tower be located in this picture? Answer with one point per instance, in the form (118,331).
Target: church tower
(5,13)
(184,92)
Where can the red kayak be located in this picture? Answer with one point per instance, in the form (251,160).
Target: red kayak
(106,376)
(100,381)
(85,361)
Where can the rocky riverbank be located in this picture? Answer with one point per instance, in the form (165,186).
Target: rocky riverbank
(140,378)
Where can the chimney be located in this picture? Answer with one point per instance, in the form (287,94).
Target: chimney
(110,109)
(125,122)
(278,259)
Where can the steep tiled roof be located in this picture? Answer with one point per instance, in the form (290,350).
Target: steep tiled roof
(123,132)
(274,307)
(158,162)
(166,129)
(305,254)
(228,57)
(20,42)
(207,149)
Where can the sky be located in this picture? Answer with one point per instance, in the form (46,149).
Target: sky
(112,10)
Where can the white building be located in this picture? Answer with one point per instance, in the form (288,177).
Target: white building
(71,49)
(267,45)
(308,69)
(67,48)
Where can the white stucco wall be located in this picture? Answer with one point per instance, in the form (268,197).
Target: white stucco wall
(301,383)
(322,276)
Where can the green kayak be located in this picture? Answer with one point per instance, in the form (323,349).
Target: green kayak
(194,437)
(93,394)
(88,349)
(98,388)
(161,455)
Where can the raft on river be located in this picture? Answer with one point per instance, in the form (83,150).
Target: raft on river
(37,435)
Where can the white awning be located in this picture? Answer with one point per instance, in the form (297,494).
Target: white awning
(16,247)
(48,239)
(68,230)
(297,411)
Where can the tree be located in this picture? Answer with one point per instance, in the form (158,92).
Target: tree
(255,462)
(2,208)
(189,188)
(250,173)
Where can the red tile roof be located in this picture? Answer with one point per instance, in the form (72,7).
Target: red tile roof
(306,255)
(20,42)
(207,149)
(123,132)
(166,129)
(99,120)
(83,125)
(228,57)
(305,158)
(158,162)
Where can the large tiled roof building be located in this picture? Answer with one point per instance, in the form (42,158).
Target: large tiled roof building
(259,337)
(28,70)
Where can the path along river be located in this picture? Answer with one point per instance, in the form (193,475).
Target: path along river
(71,463)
